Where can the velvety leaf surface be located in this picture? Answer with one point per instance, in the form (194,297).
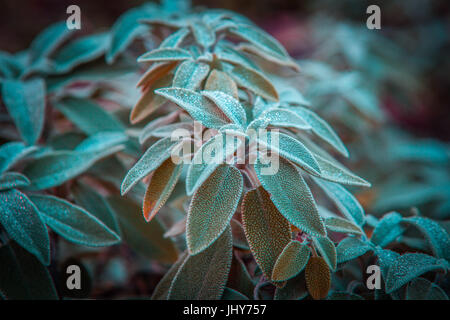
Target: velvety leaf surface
(388,229)
(220,81)
(165,54)
(11,152)
(254,81)
(162,289)
(291,195)
(385,258)
(175,38)
(25,102)
(267,231)
(10,180)
(239,239)
(190,74)
(327,251)
(340,225)
(203,276)
(422,289)
(318,278)
(203,34)
(239,279)
(73,222)
(21,220)
(229,105)
(291,261)
(212,207)
(284,118)
(160,187)
(351,248)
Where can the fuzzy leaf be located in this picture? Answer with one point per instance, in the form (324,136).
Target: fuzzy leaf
(203,34)
(409,266)
(327,250)
(318,278)
(150,160)
(344,200)
(73,223)
(160,187)
(154,73)
(281,60)
(385,258)
(11,152)
(199,107)
(231,294)
(220,81)
(165,54)
(203,276)
(291,261)
(255,82)
(239,240)
(267,231)
(422,289)
(239,279)
(11,180)
(175,39)
(212,207)
(284,118)
(388,229)
(291,195)
(229,55)
(351,248)
(190,74)
(25,102)
(162,289)
(146,238)
(229,105)
(340,225)
(21,220)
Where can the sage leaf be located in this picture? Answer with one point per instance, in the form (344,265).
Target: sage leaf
(388,229)
(229,105)
(190,74)
(340,225)
(327,250)
(11,180)
(220,81)
(318,278)
(11,152)
(162,289)
(351,248)
(254,81)
(291,261)
(165,54)
(422,289)
(203,34)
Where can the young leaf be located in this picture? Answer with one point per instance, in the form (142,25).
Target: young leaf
(160,187)
(203,276)
(318,278)
(220,81)
(267,231)
(291,261)
(229,105)
(255,81)
(11,180)
(388,229)
(74,223)
(291,195)
(154,73)
(409,266)
(203,34)
(212,207)
(327,250)
(422,289)
(21,220)
(165,54)
(11,152)
(190,74)
(175,38)
(25,102)
(351,248)
(340,225)
(150,160)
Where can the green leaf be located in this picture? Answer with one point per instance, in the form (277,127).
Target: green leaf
(422,289)
(351,248)
(198,106)
(190,74)
(267,231)
(146,238)
(409,266)
(229,105)
(175,39)
(23,277)
(11,152)
(344,200)
(10,180)
(388,229)
(291,261)
(160,187)
(203,34)
(73,223)
(80,51)
(25,102)
(150,160)
(88,116)
(21,220)
(231,294)
(437,237)
(327,250)
(203,276)
(340,225)
(254,81)
(212,207)
(284,118)
(321,128)
(291,195)
(220,81)
(162,289)
(165,54)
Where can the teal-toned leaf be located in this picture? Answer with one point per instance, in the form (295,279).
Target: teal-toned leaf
(150,160)
(409,266)
(198,106)
(212,207)
(73,223)
(388,229)
(165,54)
(80,51)
(437,236)
(229,105)
(231,294)
(321,128)
(11,152)
(281,60)
(190,74)
(267,231)
(291,261)
(88,116)
(284,118)
(239,279)
(203,34)
(23,277)
(336,295)
(146,238)
(162,289)
(220,81)
(175,39)
(351,248)
(203,276)
(254,81)
(230,55)
(385,258)
(295,289)
(21,220)
(340,225)
(422,289)
(327,250)
(10,67)
(293,96)
(291,195)
(25,102)
(10,180)
(344,200)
